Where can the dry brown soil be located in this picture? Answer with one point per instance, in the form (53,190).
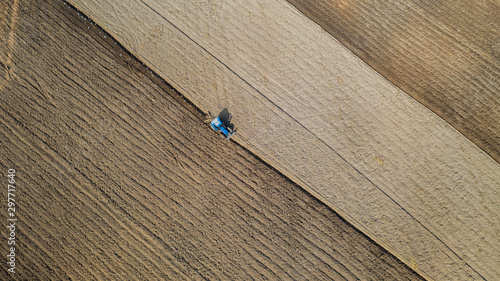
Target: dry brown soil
(118,180)
(445,54)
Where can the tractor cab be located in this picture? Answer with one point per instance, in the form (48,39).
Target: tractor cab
(219,126)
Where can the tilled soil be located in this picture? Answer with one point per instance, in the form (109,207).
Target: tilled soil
(320,115)
(445,54)
(117,180)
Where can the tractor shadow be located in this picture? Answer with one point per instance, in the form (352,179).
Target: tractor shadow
(226,117)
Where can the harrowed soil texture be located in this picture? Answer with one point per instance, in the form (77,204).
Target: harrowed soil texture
(445,54)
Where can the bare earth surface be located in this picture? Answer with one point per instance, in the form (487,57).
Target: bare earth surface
(445,54)
(116,180)
(319,114)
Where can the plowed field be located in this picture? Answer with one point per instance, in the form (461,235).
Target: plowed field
(119,180)
(319,114)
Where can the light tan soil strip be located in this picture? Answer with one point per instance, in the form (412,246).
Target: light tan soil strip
(445,54)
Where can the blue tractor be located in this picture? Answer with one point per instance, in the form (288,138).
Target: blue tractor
(219,126)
